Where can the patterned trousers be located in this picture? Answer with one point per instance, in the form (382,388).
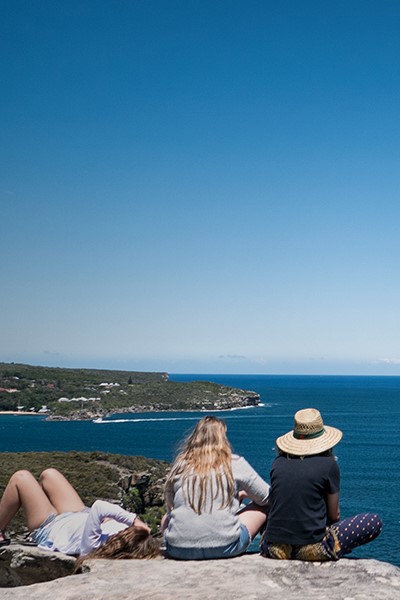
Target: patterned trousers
(339,539)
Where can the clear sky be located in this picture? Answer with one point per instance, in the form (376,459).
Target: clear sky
(201,186)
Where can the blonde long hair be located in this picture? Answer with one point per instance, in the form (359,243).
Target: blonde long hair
(205,454)
(132,542)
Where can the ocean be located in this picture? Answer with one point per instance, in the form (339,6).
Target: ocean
(366,409)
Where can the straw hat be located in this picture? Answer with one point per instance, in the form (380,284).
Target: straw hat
(309,436)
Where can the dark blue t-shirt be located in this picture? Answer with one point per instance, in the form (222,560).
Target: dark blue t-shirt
(299,486)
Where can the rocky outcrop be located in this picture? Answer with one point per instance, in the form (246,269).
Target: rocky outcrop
(22,565)
(251,577)
(221,398)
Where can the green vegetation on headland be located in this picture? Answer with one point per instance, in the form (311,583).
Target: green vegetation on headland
(90,393)
(135,482)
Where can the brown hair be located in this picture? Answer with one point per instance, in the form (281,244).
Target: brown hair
(132,542)
(328,453)
(205,456)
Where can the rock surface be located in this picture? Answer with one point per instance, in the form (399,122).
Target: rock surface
(22,565)
(249,577)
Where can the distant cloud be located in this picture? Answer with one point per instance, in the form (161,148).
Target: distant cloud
(232,356)
(389,361)
(50,353)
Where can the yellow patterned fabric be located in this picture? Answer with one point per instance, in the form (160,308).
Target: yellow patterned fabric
(327,549)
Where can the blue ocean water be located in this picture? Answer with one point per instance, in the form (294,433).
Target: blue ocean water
(367,409)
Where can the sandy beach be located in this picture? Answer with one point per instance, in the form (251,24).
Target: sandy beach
(20,412)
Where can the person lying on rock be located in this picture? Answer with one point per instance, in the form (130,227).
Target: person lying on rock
(59,521)
(203,492)
(304,519)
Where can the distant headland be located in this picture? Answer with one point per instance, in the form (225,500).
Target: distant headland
(76,394)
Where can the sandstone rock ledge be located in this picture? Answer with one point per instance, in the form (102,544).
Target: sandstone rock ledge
(249,577)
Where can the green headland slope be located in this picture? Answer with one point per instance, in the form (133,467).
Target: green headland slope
(90,393)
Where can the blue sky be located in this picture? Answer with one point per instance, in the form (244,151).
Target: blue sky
(207,187)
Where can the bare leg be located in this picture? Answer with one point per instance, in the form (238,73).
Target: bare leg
(24,491)
(254,517)
(60,492)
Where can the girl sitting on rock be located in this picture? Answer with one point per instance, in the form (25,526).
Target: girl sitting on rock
(304,519)
(203,493)
(59,521)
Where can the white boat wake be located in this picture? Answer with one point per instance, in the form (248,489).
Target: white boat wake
(101,421)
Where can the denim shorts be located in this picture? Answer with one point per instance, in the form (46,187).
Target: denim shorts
(233,549)
(41,534)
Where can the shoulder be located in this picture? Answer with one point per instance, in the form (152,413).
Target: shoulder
(100,504)
(334,465)
(326,462)
(280,461)
(239,461)
(326,465)
(240,466)
(100,507)
(236,458)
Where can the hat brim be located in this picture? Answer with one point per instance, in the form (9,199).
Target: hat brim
(291,445)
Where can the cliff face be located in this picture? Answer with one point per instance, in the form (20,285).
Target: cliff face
(251,577)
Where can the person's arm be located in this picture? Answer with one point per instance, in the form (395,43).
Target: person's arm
(249,481)
(101,510)
(332,508)
(332,492)
(169,503)
(169,494)
(165,522)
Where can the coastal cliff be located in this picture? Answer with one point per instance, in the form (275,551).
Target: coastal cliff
(250,576)
(137,483)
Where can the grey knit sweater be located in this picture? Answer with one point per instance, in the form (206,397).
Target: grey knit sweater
(216,527)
